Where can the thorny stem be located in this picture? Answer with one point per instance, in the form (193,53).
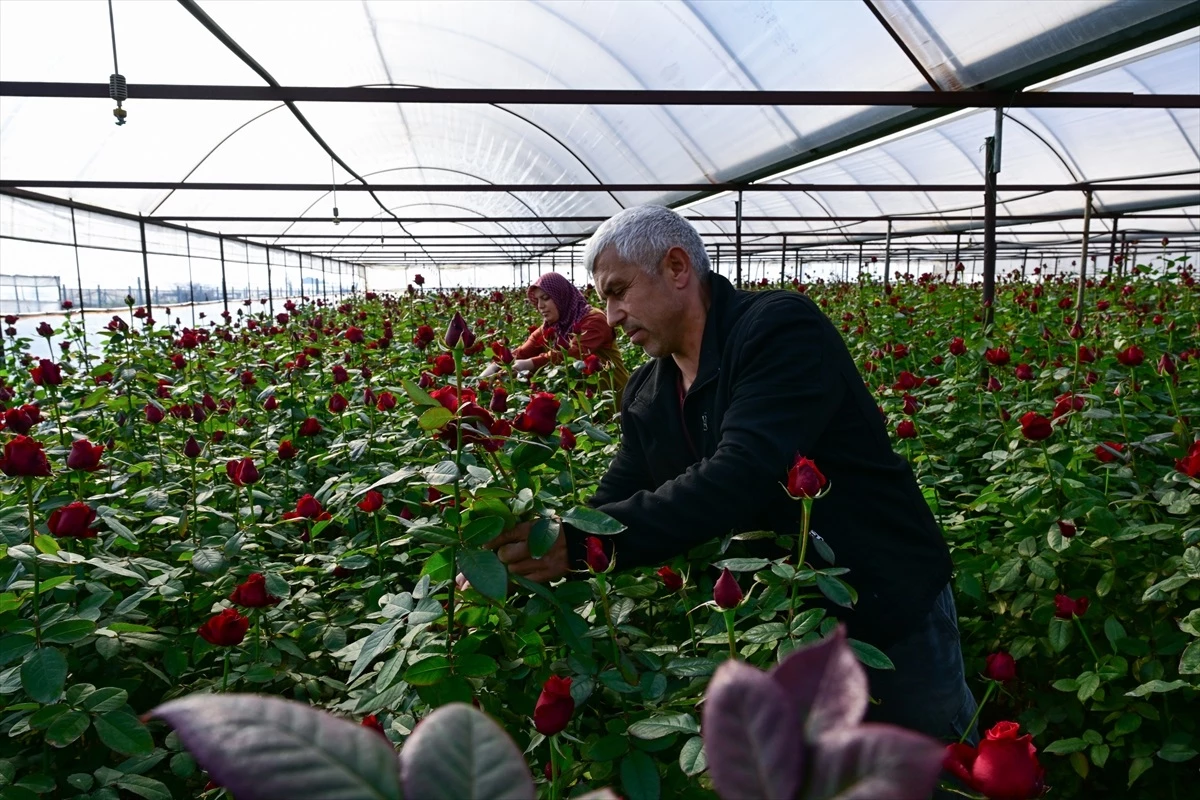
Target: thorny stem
(37,576)
(971,725)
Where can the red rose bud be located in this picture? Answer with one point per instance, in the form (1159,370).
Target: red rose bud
(44,329)
(84,456)
(1188,465)
(355,335)
(459,331)
(385,402)
(338,403)
(592,364)
(804,480)
(46,373)
(253,593)
(597,559)
(309,507)
(372,722)
(271,403)
(24,458)
(1131,356)
(566,439)
(911,405)
(1024,372)
(1066,529)
(1000,667)
(499,403)
(192,448)
(286,451)
(957,346)
(310,427)
(154,414)
(997,356)
(554,706)
(372,502)
(72,521)
(443,365)
(726,592)
(539,417)
(418,280)
(226,629)
(1003,767)
(1035,427)
(906,430)
(1065,607)
(1166,365)
(1076,331)
(243,472)
(670,578)
(1108,452)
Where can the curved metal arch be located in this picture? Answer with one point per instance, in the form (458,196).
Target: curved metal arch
(469,211)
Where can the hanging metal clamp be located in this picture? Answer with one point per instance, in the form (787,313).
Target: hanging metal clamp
(118,90)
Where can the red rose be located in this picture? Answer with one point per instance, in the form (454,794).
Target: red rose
(372,502)
(443,365)
(192,448)
(1166,365)
(46,373)
(372,722)
(354,335)
(243,472)
(804,479)
(247,378)
(1108,452)
(597,559)
(72,521)
(386,401)
(225,629)
(1035,427)
(339,374)
(957,346)
(20,419)
(448,397)
(726,591)
(1131,356)
(906,430)
(1067,529)
(271,404)
(154,414)
(287,450)
(309,507)
(253,593)
(997,356)
(671,579)
(1086,355)
(1024,372)
(566,439)
(499,403)
(554,706)
(1000,667)
(1190,464)
(84,456)
(539,416)
(1065,607)
(1066,403)
(911,405)
(1003,767)
(338,403)
(24,457)
(310,427)
(457,331)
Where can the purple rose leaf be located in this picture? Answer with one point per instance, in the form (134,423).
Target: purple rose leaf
(752,735)
(267,748)
(826,683)
(874,762)
(458,751)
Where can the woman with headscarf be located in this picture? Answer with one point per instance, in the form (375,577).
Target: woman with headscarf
(569,325)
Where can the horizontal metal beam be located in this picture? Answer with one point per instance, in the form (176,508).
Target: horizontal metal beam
(606,97)
(651,188)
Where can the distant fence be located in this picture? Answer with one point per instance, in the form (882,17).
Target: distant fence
(28,294)
(35,294)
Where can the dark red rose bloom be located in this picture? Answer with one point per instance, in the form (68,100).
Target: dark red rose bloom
(419,280)
(339,374)
(372,502)
(911,405)
(804,479)
(253,593)
(457,331)
(566,439)
(997,356)
(271,403)
(906,430)
(226,629)
(24,457)
(310,427)
(1108,452)
(424,336)
(540,416)
(1067,529)
(448,397)
(957,346)
(1024,372)
(554,706)
(670,578)
(1076,331)
(355,335)
(726,591)
(1066,403)
(1000,667)
(1035,427)
(1065,607)
(906,381)
(46,373)
(1190,464)
(1131,356)
(192,448)
(287,450)
(309,507)
(1086,355)
(85,456)
(20,419)
(372,722)
(218,436)
(72,521)
(499,403)
(597,559)
(386,401)
(443,365)
(1003,767)
(243,472)
(1166,365)
(338,403)
(153,413)
(247,378)
(592,364)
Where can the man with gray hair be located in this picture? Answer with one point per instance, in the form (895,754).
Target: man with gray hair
(738,385)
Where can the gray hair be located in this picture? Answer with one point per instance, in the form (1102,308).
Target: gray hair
(642,235)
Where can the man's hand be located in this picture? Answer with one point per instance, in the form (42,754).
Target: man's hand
(512,547)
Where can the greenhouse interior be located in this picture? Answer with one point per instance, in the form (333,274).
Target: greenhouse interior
(314,311)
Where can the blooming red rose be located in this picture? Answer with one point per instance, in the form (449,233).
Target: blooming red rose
(443,365)
(84,455)
(24,457)
(957,346)
(1000,667)
(906,430)
(566,439)
(271,403)
(671,579)
(911,405)
(1065,607)
(1066,403)
(726,591)
(287,450)
(554,706)
(1035,427)
(804,479)
(310,427)
(385,402)
(46,373)
(1086,355)
(338,403)
(499,403)
(226,629)
(355,335)
(448,397)
(906,381)
(597,559)
(339,374)
(1108,452)
(372,502)
(253,593)
(1003,767)
(153,413)
(1190,464)
(1067,529)
(539,416)
(997,356)
(419,280)
(72,521)
(1024,372)
(242,472)
(20,419)
(592,364)
(1131,356)
(247,378)
(309,507)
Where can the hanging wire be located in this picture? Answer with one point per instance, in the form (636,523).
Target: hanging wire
(333,186)
(117,88)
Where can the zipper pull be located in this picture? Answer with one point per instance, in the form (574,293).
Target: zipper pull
(704,421)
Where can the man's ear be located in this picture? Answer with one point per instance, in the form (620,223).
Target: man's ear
(676,267)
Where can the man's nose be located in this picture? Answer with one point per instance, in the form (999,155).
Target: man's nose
(614,314)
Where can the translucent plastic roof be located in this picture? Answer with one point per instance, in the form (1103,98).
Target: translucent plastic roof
(747,45)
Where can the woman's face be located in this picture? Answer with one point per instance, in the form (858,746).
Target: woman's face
(545,306)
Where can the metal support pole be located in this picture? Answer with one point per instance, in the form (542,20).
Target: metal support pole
(324,285)
(187,238)
(738,235)
(989,233)
(270,291)
(1024,258)
(1112,244)
(887,259)
(572,265)
(783,261)
(860,262)
(1087,221)
(224,286)
(717,267)
(957,256)
(79,280)
(145,268)
(799,268)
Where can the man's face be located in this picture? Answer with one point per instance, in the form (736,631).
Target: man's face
(646,306)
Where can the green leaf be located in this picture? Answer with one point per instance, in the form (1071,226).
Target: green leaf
(528,455)
(43,675)
(428,671)
(376,643)
(639,777)
(1060,634)
(435,418)
(590,520)
(1041,568)
(607,748)
(764,633)
(1006,575)
(542,536)
(67,728)
(1137,767)
(1177,749)
(692,759)
(144,787)
(658,727)
(1154,687)
(1159,590)
(1099,754)
(443,473)
(1089,682)
(124,733)
(1066,746)
(837,591)
(1189,662)
(418,395)
(46,544)
(870,655)
(742,564)
(108,698)
(485,571)
(68,631)
(209,561)
(475,665)
(479,532)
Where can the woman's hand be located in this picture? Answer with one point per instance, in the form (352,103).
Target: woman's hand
(491,370)
(523,365)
